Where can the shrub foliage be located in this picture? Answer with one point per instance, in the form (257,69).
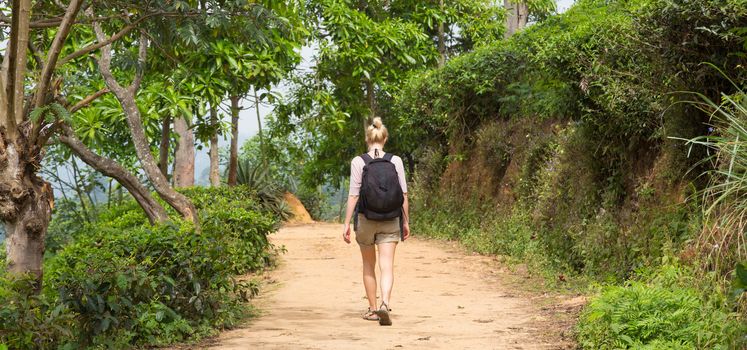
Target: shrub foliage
(564,145)
(123,283)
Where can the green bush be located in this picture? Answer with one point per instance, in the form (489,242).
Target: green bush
(112,278)
(29,321)
(662,311)
(481,229)
(124,283)
(237,217)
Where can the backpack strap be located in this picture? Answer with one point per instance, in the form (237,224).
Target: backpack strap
(366,158)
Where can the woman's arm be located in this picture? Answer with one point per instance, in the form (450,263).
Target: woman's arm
(406,218)
(352,201)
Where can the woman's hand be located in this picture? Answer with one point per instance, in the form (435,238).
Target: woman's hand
(405,231)
(346,233)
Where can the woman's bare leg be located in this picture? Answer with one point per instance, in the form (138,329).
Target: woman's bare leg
(386,264)
(368,253)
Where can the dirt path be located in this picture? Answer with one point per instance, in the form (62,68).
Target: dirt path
(442,299)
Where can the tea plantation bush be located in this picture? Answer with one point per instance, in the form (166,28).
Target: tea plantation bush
(662,310)
(123,283)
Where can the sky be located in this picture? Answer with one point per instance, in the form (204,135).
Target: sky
(564,5)
(248,117)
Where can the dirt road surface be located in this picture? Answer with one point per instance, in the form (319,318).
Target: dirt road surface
(442,299)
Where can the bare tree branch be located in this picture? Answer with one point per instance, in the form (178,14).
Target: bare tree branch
(106,59)
(154,211)
(90,98)
(35,54)
(47,23)
(54,51)
(4,74)
(141,56)
(101,42)
(126,98)
(17,52)
(160,48)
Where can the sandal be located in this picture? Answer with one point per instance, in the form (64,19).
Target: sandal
(383,313)
(370,315)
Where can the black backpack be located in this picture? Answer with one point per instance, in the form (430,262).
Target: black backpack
(381,196)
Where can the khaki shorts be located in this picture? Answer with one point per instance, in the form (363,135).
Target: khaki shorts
(372,232)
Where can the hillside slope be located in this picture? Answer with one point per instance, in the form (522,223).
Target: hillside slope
(564,146)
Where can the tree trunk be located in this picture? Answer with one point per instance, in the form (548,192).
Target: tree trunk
(25,198)
(184,162)
(214,159)
(517,15)
(233,159)
(153,210)
(25,204)
(126,98)
(371,98)
(24,242)
(410,165)
(259,127)
(142,147)
(5,120)
(109,194)
(441,39)
(163,149)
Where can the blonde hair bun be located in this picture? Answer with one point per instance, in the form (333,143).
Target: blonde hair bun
(376,132)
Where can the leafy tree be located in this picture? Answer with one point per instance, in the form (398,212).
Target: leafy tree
(32,110)
(365,51)
(47,67)
(246,54)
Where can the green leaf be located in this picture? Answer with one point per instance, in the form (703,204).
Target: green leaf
(742,273)
(105,324)
(233,63)
(739,285)
(60,111)
(121,281)
(38,113)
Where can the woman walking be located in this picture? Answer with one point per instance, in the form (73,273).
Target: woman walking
(378,196)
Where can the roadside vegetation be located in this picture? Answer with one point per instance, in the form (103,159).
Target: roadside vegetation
(604,145)
(120,282)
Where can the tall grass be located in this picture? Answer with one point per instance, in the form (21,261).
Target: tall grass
(722,239)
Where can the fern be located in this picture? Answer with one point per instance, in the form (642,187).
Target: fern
(657,314)
(50,113)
